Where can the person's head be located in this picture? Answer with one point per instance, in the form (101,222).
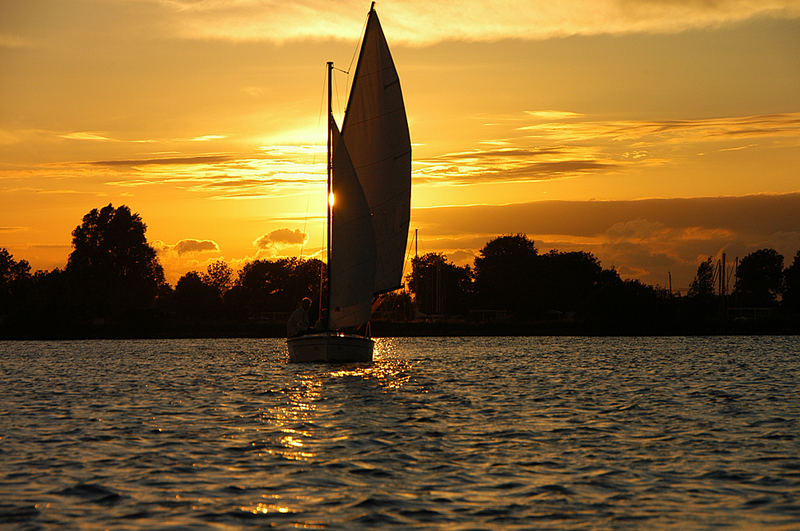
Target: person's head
(305,303)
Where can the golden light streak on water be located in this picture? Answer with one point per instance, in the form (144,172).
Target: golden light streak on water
(265,508)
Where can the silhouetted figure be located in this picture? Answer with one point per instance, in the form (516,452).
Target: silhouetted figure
(298,321)
(322,323)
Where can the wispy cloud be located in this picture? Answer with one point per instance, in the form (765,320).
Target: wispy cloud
(272,171)
(547,145)
(207,138)
(15,42)
(201,159)
(420,21)
(553,115)
(86,135)
(696,130)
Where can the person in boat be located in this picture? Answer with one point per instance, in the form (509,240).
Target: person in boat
(298,321)
(322,322)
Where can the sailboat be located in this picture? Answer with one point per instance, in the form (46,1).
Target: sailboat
(369,204)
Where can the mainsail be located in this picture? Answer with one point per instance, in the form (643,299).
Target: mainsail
(352,269)
(375,130)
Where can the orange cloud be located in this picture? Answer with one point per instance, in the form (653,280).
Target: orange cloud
(186,246)
(281,238)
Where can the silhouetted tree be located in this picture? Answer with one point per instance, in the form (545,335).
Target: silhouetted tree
(759,278)
(439,286)
(112,267)
(621,306)
(396,306)
(564,280)
(195,298)
(275,285)
(219,275)
(703,283)
(504,274)
(15,279)
(303,280)
(791,295)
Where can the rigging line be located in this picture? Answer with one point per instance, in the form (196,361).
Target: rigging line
(314,161)
(338,100)
(355,51)
(405,263)
(305,231)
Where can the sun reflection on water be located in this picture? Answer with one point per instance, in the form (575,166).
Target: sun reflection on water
(288,419)
(295,421)
(266,508)
(389,371)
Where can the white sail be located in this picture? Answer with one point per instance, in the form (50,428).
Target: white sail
(352,267)
(375,130)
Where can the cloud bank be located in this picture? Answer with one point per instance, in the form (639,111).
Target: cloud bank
(645,239)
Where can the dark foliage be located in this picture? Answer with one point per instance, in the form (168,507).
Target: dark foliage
(504,275)
(194,298)
(112,269)
(395,306)
(791,294)
(759,278)
(275,286)
(113,286)
(703,284)
(220,276)
(440,287)
(15,279)
(564,281)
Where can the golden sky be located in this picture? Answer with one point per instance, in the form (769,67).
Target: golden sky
(652,133)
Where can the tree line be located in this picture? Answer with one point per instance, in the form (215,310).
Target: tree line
(113,285)
(511,279)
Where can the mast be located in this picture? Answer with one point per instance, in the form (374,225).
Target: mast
(330,184)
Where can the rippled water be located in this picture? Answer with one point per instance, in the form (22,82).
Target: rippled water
(437,432)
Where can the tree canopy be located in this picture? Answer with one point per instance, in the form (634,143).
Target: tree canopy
(112,266)
(14,276)
(703,283)
(759,278)
(791,295)
(503,274)
(439,286)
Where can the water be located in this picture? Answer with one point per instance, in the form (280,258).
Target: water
(449,433)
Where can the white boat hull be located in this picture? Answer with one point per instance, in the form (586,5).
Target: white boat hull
(330,348)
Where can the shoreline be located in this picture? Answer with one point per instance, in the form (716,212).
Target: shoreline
(255,329)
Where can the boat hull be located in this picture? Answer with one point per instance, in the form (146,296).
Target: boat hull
(330,348)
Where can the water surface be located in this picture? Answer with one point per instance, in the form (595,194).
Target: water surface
(437,432)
